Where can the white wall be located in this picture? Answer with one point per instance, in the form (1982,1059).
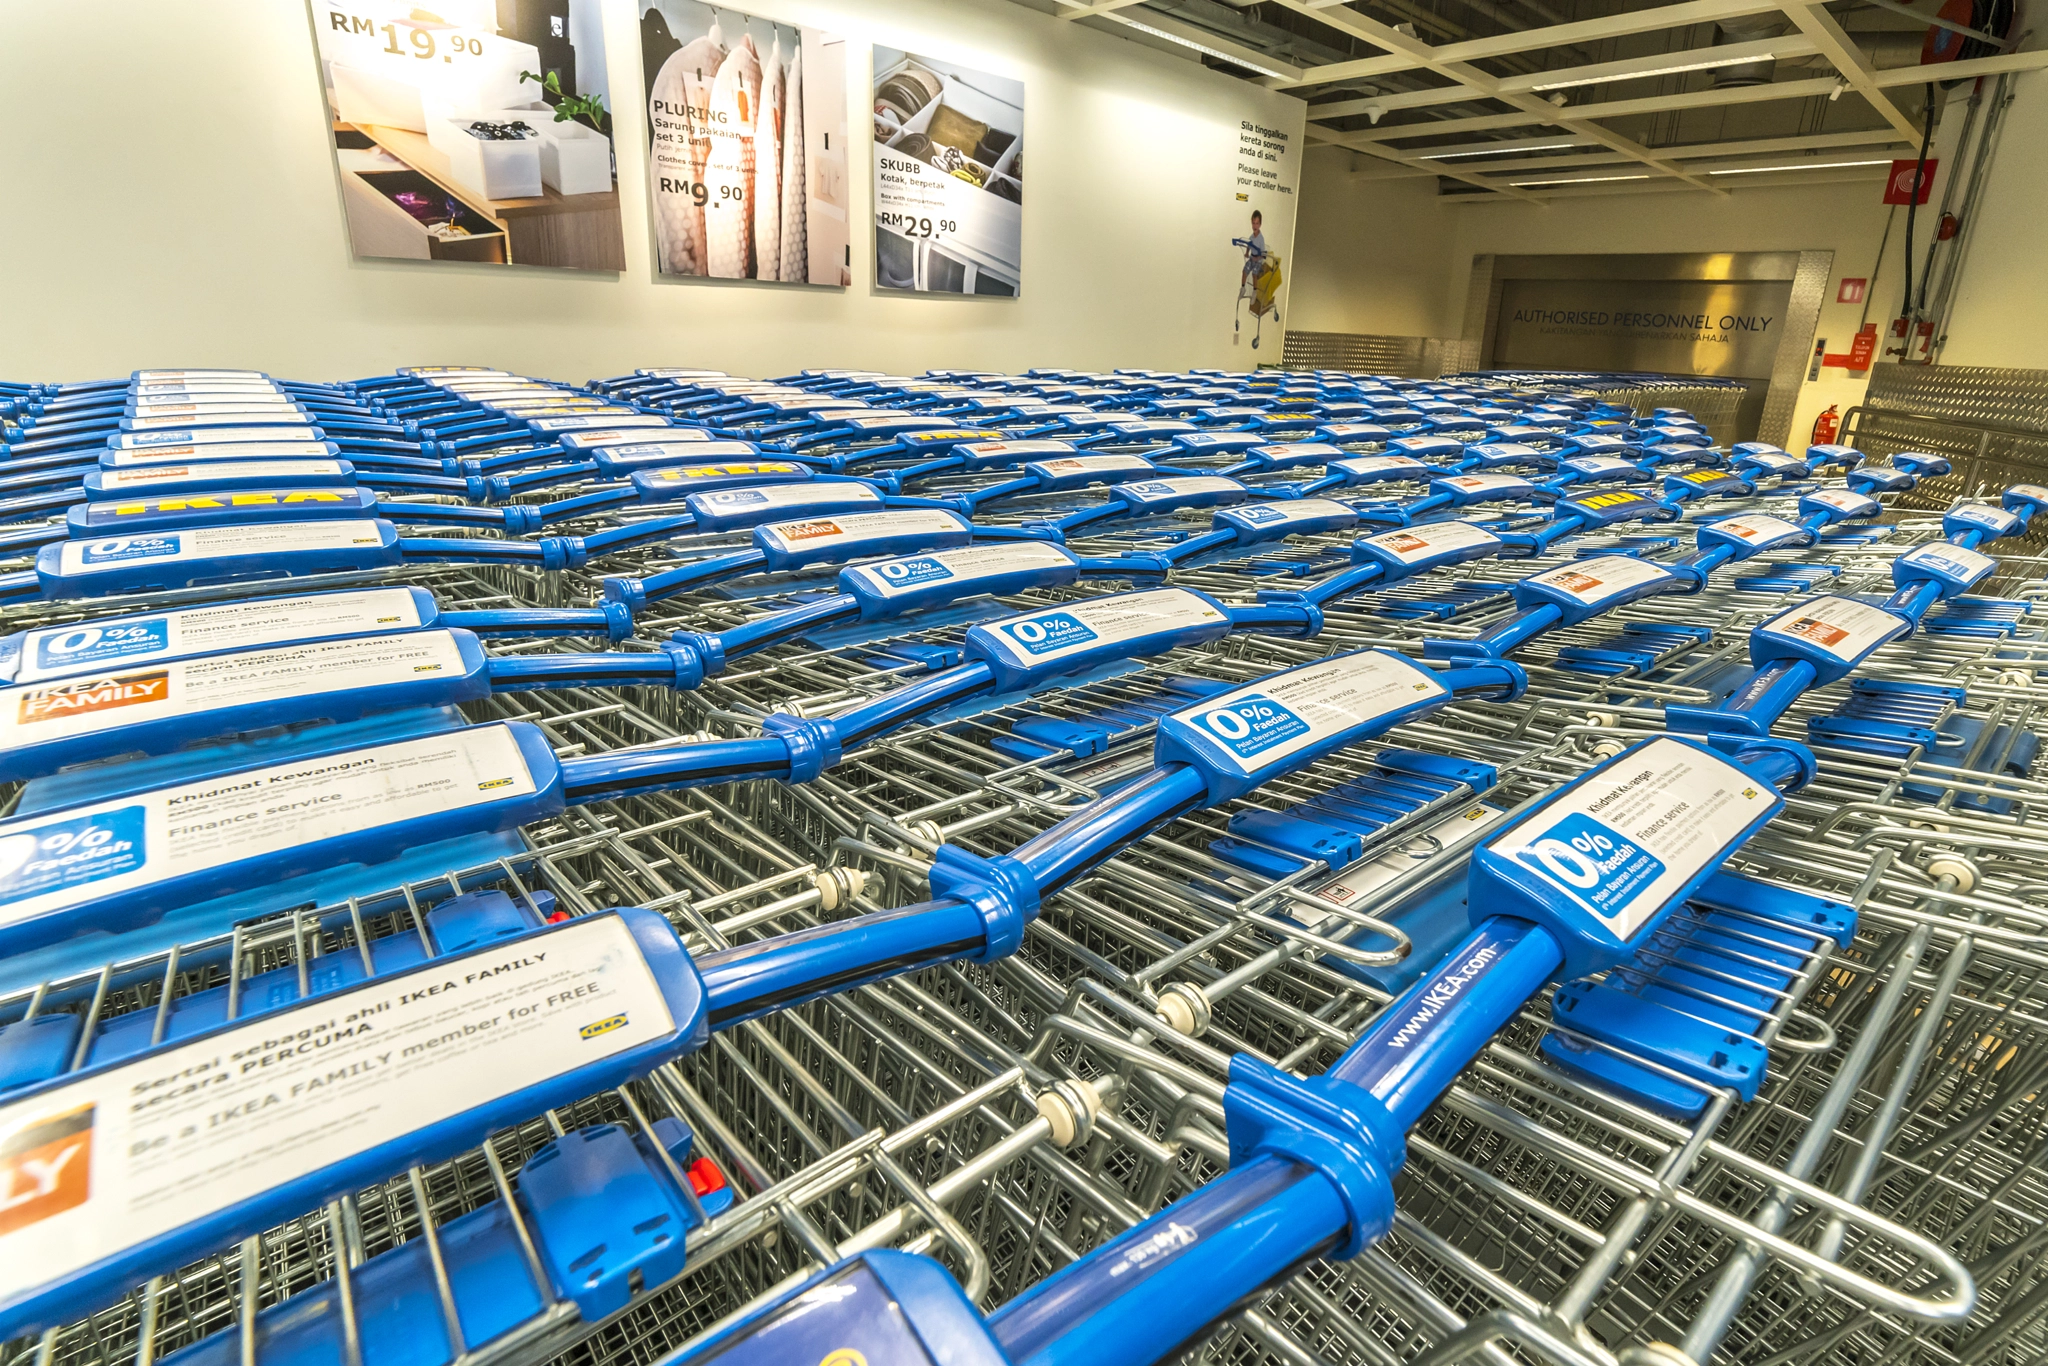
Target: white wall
(1389,256)
(2002,297)
(173,201)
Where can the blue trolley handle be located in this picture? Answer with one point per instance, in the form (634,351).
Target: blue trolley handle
(1313,1159)
(982,905)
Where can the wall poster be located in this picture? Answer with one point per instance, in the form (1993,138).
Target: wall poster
(747,145)
(473,130)
(949,177)
(1268,167)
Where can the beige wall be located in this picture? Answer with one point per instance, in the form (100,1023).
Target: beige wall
(173,201)
(1389,256)
(1375,255)
(2002,299)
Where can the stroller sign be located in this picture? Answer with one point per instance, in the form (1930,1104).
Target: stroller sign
(1259,281)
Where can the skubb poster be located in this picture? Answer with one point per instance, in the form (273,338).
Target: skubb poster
(747,160)
(949,176)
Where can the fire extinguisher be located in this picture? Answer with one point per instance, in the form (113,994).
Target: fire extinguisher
(1827,425)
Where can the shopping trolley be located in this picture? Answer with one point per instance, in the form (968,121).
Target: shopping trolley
(1260,283)
(1010,1116)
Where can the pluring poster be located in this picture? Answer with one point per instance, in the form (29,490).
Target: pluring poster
(949,176)
(473,130)
(747,145)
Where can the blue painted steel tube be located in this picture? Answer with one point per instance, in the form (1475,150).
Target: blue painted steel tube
(685,577)
(601,500)
(1145,1293)
(636,533)
(857,725)
(764,631)
(1775,687)
(1094,833)
(609,620)
(612,669)
(1915,601)
(1513,632)
(1776,765)
(749,980)
(1420,1042)
(1135,1300)
(601,777)
(1344,582)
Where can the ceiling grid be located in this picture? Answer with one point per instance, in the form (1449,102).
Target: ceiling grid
(1747,92)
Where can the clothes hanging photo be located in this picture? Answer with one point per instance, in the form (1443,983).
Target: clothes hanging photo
(747,145)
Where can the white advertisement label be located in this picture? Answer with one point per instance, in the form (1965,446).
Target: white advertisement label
(210,436)
(1952,560)
(861,421)
(182,415)
(894,578)
(1268,515)
(1042,636)
(1410,544)
(1601,464)
(1088,464)
(1842,627)
(70,857)
(285,470)
(232,452)
(172,411)
(819,533)
(1181,486)
(1385,466)
(612,434)
(182,376)
(1297,450)
(1268,721)
(1619,845)
(38,712)
(61,651)
(1596,580)
(593,422)
(787,495)
(989,450)
(1757,530)
(248,538)
(1472,485)
(141,1149)
(1854,504)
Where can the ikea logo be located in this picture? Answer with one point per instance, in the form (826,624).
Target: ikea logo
(605,1026)
(1607,500)
(719,471)
(917,438)
(206,501)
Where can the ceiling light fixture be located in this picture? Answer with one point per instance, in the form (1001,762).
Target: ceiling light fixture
(1708,65)
(1494,151)
(1205,50)
(1800,166)
(1575,180)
